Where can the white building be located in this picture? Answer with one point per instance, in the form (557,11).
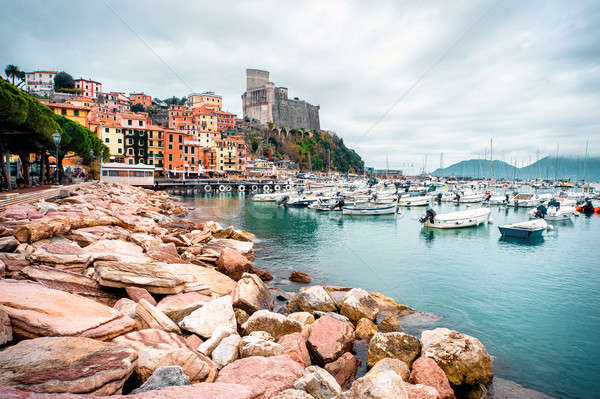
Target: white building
(40,82)
(135,175)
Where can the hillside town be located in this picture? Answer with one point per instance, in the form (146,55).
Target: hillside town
(183,139)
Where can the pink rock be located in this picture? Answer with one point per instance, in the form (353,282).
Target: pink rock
(21,211)
(232,263)
(425,371)
(137,293)
(5,328)
(202,390)
(344,369)
(421,392)
(295,346)
(329,338)
(264,376)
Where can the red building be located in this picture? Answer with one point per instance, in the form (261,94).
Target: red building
(225,120)
(89,88)
(140,98)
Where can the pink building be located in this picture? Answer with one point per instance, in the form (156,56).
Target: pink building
(90,88)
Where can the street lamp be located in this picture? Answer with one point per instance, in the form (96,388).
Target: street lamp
(56,138)
(92,163)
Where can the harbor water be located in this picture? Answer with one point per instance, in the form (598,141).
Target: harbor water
(534,305)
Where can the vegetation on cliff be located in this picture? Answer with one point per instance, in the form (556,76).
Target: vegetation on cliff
(310,150)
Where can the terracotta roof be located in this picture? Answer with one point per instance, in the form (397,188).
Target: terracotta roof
(65,105)
(131,116)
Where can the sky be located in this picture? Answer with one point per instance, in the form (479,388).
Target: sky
(402,82)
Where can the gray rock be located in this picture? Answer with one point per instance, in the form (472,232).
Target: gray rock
(293,394)
(166,376)
(318,383)
(333,316)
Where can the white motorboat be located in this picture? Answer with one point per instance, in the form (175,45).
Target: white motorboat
(525,200)
(268,197)
(370,209)
(553,213)
(468,197)
(456,220)
(498,200)
(422,200)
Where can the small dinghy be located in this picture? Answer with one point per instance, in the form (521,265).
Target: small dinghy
(530,229)
(456,220)
(421,200)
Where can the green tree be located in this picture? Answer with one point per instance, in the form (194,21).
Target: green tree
(63,80)
(12,72)
(137,108)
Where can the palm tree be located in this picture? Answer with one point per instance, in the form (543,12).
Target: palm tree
(12,71)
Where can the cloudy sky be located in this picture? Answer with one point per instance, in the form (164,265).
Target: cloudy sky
(398,80)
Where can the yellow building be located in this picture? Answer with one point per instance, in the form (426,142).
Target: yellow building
(73,112)
(209,99)
(155,146)
(231,154)
(82,101)
(112,136)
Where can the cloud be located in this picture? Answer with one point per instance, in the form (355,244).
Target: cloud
(397,80)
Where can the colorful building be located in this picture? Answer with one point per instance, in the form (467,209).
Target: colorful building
(156,147)
(225,120)
(135,136)
(116,101)
(73,112)
(231,154)
(208,99)
(41,82)
(182,153)
(112,136)
(88,87)
(140,98)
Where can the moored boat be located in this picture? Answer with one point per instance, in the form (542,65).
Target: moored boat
(529,229)
(422,200)
(456,220)
(370,209)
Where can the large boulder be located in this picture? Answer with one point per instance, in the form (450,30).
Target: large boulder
(318,383)
(177,306)
(384,385)
(329,339)
(251,294)
(8,244)
(198,278)
(166,376)
(311,299)
(154,277)
(462,357)
(232,263)
(117,250)
(150,317)
(20,212)
(299,277)
(275,324)
(358,304)
(264,376)
(67,364)
(344,369)
(389,323)
(216,245)
(395,345)
(5,328)
(61,254)
(203,390)
(425,371)
(36,311)
(365,329)
(254,346)
(204,320)
(157,348)
(295,346)
(396,365)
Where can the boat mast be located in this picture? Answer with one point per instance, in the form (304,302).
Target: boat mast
(491,161)
(556,164)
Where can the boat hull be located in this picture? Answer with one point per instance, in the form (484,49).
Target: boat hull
(387,210)
(519,233)
(414,201)
(462,220)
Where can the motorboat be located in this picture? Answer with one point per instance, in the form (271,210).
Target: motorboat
(554,212)
(370,209)
(529,229)
(268,197)
(525,200)
(329,204)
(408,200)
(456,220)
(468,197)
(587,208)
(498,200)
(296,201)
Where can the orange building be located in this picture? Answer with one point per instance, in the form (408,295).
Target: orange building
(179,116)
(181,153)
(225,120)
(140,98)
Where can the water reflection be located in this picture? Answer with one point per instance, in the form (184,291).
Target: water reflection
(522,242)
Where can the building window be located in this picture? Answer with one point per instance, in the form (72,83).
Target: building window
(129,122)
(170,157)
(107,140)
(180,138)
(119,141)
(141,123)
(170,146)
(120,150)
(131,162)
(170,138)
(106,129)
(63,111)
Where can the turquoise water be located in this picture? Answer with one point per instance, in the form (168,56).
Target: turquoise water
(534,306)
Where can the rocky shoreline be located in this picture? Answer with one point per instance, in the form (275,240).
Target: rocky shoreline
(111,291)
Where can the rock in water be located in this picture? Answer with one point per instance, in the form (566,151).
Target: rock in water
(311,299)
(264,376)
(389,323)
(357,303)
(67,364)
(232,263)
(299,277)
(35,310)
(344,369)
(251,294)
(274,323)
(365,329)
(462,357)
(167,376)
(157,348)
(425,371)
(396,365)
(318,383)
(204,320)
(395,345)
(5,328)
(329,339)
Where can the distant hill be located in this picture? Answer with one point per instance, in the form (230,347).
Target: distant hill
(546,168)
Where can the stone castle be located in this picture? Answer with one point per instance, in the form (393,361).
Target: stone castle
(265,102)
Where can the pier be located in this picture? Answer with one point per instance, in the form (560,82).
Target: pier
(195,186)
